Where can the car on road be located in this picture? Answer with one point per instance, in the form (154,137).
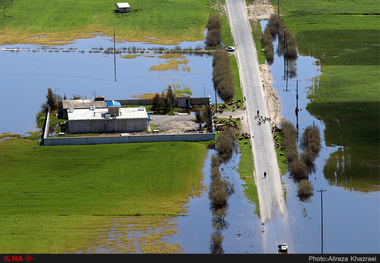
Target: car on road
(230,49)
(283,247)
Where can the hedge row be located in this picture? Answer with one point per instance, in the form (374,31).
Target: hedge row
(222,76)
(214,34)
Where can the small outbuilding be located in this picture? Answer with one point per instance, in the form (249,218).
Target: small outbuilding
(123,7)
(113,107)
(183,101)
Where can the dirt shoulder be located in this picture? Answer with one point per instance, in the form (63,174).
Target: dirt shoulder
(262,9)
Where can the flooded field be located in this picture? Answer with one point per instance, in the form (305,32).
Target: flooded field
(86,68)
(351,214)
(350,218)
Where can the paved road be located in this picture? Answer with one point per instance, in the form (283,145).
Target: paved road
(270,192)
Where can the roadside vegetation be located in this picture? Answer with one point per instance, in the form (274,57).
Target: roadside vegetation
(301,165)
(220,188)
(214,34)
(222,76)
(62,199)
(246,165)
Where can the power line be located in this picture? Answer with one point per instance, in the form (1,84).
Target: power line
(114,49)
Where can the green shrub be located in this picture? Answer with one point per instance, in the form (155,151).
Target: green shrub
(226,144)
(214,34)
(305,190)
(298,169)
(214,22)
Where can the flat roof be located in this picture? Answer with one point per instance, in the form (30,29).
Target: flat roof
(82,104)
(122,5)
(125,113)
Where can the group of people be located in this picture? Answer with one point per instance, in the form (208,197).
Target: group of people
(262,119)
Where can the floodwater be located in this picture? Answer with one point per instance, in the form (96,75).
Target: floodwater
(350,217)
(82,68)
(242,233)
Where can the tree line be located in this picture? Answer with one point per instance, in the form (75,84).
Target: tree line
(220,189)
(222,76)
(300,165)
(287,44)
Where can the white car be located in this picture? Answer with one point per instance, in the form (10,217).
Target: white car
(283,247)
(230,49)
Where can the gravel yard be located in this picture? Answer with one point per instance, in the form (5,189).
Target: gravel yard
(172,124)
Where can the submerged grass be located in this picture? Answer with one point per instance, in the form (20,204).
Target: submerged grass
(173,64)
(52,196)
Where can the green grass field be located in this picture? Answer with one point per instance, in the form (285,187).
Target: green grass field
(328,7)
(168,21)
(348,46)
(58,199)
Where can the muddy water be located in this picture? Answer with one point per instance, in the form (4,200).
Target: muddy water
(80,68)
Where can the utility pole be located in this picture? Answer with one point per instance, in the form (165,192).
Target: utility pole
(321,191)
(297,98)
(286,72)
(114,50)
(297,110)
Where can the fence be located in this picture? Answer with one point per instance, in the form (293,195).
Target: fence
(144,102)
(45,132)
(192,137)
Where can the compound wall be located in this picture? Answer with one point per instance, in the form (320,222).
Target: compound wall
(193,137)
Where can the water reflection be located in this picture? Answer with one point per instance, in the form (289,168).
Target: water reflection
(350,217)
(237,231)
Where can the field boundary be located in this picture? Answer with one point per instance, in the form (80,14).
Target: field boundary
(195,137)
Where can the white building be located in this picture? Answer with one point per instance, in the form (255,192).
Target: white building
(99,120)
(123,7)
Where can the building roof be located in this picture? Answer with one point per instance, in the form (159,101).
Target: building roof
(99,114)
(113,103)
(122,5)
(82,104)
